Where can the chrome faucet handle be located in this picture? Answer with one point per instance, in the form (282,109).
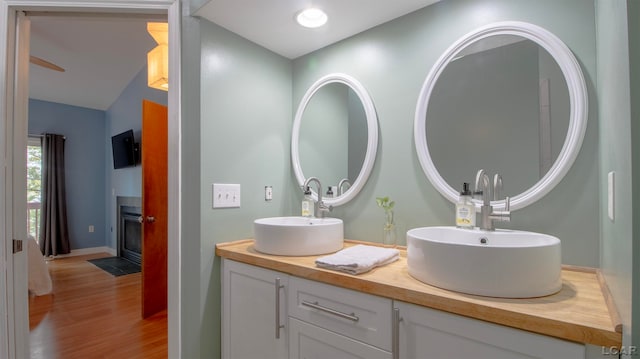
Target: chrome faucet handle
(323,209)
(497,187)
(307,183)
(322,206)
(483,186)
(479,180)
(341,185)
(497,192)
(487,213)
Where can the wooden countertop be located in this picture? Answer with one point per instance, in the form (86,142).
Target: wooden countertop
(581,312)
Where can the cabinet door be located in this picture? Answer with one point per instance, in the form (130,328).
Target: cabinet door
(426,333)
(311,342)
(253,312)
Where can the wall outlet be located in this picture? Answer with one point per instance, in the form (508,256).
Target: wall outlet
(225,195)
(91,229)
(268,193)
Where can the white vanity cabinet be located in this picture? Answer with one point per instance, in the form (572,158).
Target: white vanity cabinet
(426,333)
(271,315)
(332,322)
(254,302)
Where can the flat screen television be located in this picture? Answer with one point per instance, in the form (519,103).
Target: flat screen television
(124,150)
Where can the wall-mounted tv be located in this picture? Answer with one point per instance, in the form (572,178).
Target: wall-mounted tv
(124,150)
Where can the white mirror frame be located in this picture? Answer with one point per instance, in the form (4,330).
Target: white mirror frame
(578,105)
(372,130)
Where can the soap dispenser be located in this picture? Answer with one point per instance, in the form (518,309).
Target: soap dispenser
(307,203)
(329,192)
(465,209)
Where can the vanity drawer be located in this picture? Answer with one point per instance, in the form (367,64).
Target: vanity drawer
(357,315)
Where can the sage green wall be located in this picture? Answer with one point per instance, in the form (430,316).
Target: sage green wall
(238,105)
(633,9)
(191,318)
(245,129)
(392,61)
(615,156)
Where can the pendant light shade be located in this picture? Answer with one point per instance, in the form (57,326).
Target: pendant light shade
(158,57)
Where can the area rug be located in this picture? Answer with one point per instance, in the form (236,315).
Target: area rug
(116,266)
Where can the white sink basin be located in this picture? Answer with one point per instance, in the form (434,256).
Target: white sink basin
(298,236)
(510,264)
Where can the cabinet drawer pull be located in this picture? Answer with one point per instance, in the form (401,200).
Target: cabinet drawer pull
(278,325)
(317,306)
(395,332)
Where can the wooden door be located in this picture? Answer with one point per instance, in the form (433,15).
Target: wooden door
(154,208)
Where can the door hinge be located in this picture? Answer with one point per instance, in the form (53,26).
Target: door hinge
(17,246)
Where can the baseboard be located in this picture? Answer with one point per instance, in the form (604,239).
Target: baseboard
(84,251)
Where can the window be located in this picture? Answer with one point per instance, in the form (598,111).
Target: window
(34,187)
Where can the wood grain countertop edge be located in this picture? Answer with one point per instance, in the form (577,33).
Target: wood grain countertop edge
(472,307)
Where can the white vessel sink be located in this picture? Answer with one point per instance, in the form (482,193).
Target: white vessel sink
(298,236)
(509,264)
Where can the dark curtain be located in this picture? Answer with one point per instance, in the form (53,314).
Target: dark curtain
(54,233)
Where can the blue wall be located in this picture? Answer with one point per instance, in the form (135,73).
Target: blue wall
(84,161)
(124,114)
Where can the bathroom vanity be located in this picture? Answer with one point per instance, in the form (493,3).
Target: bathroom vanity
(286,307)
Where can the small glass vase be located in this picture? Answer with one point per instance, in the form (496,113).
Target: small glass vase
(389,231)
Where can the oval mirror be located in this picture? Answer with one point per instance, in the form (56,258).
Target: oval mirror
(508,98)
(335,136)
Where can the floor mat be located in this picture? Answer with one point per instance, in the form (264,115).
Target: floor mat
(116,266)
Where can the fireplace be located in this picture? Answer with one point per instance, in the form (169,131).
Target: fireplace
(129,235)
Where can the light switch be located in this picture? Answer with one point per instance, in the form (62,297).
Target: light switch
(611,194)
(225,195)
(268,193)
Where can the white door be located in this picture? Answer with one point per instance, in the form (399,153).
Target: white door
(14,329)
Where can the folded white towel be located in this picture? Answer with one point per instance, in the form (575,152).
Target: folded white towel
(358,259)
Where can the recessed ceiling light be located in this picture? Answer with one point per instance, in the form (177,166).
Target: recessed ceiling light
(312,17)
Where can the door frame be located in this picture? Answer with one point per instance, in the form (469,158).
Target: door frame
(13,121)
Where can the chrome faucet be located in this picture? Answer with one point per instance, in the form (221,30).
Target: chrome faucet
(487,214)
(341,184)
(320,207)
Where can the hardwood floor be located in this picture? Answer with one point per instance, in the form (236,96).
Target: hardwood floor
(92,314)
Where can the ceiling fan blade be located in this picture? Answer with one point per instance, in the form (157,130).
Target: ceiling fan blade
(44,63)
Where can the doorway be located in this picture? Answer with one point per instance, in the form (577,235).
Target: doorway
(13,292)
(73,116)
